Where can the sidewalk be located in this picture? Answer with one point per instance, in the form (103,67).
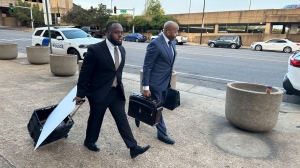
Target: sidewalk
(204,137)
(18,28)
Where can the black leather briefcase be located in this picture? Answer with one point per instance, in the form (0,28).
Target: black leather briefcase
(172,100)
(144,109)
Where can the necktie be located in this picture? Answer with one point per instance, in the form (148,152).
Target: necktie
(116,53)
(171,50)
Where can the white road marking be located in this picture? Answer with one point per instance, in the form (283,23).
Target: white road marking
(201,76)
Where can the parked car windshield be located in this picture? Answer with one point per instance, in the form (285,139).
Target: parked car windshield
(73,34)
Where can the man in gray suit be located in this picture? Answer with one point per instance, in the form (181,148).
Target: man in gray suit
(157,71)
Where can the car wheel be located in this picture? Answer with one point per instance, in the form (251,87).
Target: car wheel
(212,45)
(75,52)
(136,40)
(181,43)
(152,39)
(287,49)
(124,39)
(37,45)
(233,46)
(176,42)
(258,48)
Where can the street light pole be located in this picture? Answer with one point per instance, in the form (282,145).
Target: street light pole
(189,16)
(133,19)
(248,23)
(202,22)
(48,26)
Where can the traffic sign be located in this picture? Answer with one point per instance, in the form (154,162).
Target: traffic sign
(123,11)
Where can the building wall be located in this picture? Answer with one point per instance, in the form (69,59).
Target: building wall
(241,17)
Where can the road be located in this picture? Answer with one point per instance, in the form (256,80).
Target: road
(201,65)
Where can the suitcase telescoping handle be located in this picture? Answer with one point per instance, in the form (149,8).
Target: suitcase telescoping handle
(70,118)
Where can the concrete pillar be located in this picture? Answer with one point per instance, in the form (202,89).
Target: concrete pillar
(79,65)
(294,28)
(1,19)
(283,29)
(268,29)
(216,28)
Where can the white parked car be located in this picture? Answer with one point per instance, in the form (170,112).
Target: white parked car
(291,81)
(64,40)
(284,45)
(179,39)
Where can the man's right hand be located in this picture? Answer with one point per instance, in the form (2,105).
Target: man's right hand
(147,93)
(79,100)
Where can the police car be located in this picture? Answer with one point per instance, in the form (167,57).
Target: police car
(64,40)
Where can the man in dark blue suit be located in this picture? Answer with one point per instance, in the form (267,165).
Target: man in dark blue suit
(157,71)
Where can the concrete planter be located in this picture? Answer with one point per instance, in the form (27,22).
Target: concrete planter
(8,51)
(38,54)
(173,80)
(63,65)
(79,65)
(249,107)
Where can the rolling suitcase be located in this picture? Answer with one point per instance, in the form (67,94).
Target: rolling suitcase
(38,120)
(144,109)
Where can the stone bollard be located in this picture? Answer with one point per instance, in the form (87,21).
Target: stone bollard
(173,80)
(8,51)
(249,107)
(63,64)
(79,65)
(38,54)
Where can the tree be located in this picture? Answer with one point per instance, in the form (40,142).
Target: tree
(23,14)
(120,18)
(77,16)
(153,8)
(158,21)
(91,17)
(140,24)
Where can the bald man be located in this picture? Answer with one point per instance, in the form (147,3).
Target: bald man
(157,71)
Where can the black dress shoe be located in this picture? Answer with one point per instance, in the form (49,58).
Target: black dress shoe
(91,146)
(137,150)
(166,140)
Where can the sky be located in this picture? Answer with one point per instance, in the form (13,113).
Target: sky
(183,6)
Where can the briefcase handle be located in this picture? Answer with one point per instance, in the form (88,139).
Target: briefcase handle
(141,95)
(138,94)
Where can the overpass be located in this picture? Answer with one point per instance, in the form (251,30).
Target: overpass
(288,19)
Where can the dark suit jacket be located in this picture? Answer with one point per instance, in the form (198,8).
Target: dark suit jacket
(158,65)
(98,72)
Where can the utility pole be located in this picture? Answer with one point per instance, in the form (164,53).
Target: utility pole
(247,29)
(49,34)
(189,16)
(202,22)
(133,19)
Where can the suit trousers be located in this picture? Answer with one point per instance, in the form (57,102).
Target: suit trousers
(161,126)
(116,106)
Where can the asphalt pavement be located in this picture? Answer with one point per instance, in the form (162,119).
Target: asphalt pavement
(204,137)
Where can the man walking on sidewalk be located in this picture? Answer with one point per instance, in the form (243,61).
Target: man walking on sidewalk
(157,71)
(100,80)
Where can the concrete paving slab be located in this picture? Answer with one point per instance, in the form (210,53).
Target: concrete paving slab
(204,138)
